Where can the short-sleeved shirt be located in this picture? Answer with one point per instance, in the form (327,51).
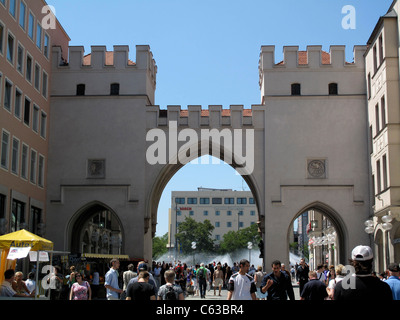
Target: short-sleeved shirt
(139,290)
(6,289)
(164,289)
(394,284)
(364,288)
(112,280)
(241,286)
(80,291)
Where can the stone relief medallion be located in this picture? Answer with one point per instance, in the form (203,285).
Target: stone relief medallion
(316,168)
(96,168)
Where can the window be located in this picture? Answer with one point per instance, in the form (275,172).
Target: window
(369,86)
(241,224)
(385,172)
(24,161)
(31,25)
(204,200)
(18,215)
(333,89)
(5,140)
(22,14)
(178,213)
(17,103)
(229,213)
(229,224)
(205,213)
(10,49)
(216,200)
(13,7)
(240,213)
(1,38)
(2,206)
(20,59)
(192,200)
(7,95)
(15,156)
(229,201)
(380,50)
(43,124)
(217,224)
(377,122)
(180,200)
(252,213)
(44,84)
(217,213)
(241,201)
(36,218)
(383,112)
(375,59)
(46,50)
(378,176)
(33,166)
(80,89)
(39,36)
(296,90)
(29,68)
(37,77)
(114,89)
(35,118)
(27,111)
(251,201)
(191,213)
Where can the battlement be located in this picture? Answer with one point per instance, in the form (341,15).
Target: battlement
(313,57)
(100,58)
(214,117)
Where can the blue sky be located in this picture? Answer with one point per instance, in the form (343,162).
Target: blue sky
(207,51)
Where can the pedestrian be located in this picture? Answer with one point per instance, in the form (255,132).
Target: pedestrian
(30,282)
(241,285)
(362,285)
(321,274)
(258,278)
(141,289)
(394,281)
(143,267)
(6,289)
(340,273)
(126,277)
(95,283)
(218,279)
(80,289)
(314,289)
(228,274)
(277,283)
(56,283)
(202,280)
(157,274)
(111,281)
(302,274)
(170,290)
(19,284)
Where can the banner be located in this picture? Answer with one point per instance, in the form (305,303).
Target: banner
(18,252)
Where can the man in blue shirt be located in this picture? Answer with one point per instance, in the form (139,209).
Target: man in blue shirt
(394,280)
(111,282)
(277,283)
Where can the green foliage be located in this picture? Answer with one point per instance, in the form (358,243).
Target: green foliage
(199,232)
(160,245)
(236,240)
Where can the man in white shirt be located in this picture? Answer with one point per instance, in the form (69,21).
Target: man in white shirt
(241,286)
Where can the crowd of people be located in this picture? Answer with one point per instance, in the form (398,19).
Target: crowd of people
(167,281)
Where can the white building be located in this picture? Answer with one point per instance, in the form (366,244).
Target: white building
(226,209)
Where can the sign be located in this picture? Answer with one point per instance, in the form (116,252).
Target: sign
(43,256)
(185,208)
(17,253)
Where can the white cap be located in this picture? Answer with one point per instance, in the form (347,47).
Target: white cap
(362,253)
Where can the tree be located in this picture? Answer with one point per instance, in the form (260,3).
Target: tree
(199,232)
(160,245)
(236,240)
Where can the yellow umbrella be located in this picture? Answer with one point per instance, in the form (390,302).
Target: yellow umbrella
(20,238)
(23,238)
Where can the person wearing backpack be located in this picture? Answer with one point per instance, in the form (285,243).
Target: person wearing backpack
(170,290)
(202,280)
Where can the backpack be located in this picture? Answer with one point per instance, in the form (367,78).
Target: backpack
(201,273)
(170,294)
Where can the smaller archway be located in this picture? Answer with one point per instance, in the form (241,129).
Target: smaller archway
(96,228)
(316,234)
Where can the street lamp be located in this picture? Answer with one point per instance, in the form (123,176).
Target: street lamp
(369,226)
(386,225)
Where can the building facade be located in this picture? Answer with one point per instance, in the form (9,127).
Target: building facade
(226,209)
(28,30)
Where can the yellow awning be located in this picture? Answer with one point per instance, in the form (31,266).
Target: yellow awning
(105,256)
(23,238)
